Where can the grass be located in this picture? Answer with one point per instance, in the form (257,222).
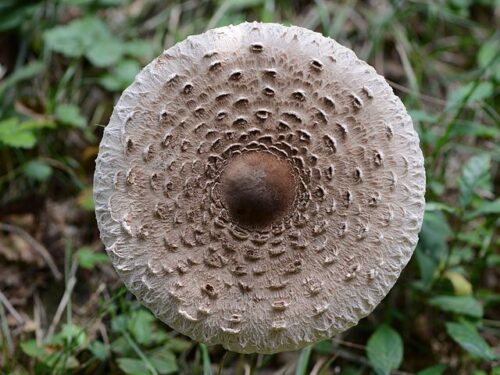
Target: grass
(57,91)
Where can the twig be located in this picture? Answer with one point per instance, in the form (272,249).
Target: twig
(37,316)
(424,97)
(11,308)
(5,331)
(349,344)
(318,366)
(139,352)
(64,301)
(37,247)
(221,366)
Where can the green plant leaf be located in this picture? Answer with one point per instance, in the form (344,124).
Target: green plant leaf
(461,285)
(132,366)
(32,349)
(120,76)
(487,52)
(140,326)
(12,134)
(432,245)
(21,74)
(20,134)
(77,37)
(438,206)
(70,334)
(121,346)
(119,324)
(88,258)
(476,172)
(99,350)
(303,361)
(14,13)
(38,170)
(467,337)
(434,370)
(105,52)
(177,345)
(140,49)
(69,114)
(458,304)
(485,207)
(164,361)
(469,94)
(207,364)
(385,350)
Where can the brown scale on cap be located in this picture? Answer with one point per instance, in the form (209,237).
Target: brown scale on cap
(260,187)
(257,188)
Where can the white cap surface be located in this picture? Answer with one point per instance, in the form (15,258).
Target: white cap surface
(260,187)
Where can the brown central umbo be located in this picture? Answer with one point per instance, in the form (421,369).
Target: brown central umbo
(258,189)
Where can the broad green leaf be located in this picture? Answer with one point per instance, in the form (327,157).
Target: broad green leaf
(476,172)
(488,51)
(77,37)
(14,135)
(434,370)
(121,346)
(164,361)
(88,258)
(99,350)
(324,347)
(121,76)
(461,285)
(119,324)
(70,333)
(31,349)
(58,363)
(432,246)
(493,260)
(38,170)
(69,114)
(434,233)
(467,337)
(473,128)
(140,326)
(18,134)
(105,52)
(485,208)
(427,265)
(421,116)
(133,366)
(385,350)
(461,305)
(13,13)
(469,94)
(140,49)
(177,345)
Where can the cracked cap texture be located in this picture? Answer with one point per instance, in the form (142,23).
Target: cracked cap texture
(260,187)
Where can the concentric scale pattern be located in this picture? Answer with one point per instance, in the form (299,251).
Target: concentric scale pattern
(317,130)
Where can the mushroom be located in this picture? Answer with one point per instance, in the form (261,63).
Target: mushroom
(260,187)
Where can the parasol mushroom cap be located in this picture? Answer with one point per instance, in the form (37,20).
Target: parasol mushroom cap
(260,187)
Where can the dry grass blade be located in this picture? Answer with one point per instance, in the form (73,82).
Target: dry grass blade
(11,308)
(37,246)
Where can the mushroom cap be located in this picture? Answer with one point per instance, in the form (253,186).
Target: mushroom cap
(260,187)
